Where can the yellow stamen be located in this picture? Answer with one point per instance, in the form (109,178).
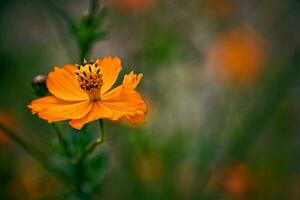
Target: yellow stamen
(90,79)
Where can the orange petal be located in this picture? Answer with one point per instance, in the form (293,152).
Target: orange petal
(110,69)
(54,109)
(42,103)
(124,102)
(98,111)
(63,84)
(122,97)
(132,80)
(139,116)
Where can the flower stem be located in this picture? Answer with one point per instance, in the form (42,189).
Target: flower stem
(85,43)
(79,162)
(62,140)
(92,145)
(93,10)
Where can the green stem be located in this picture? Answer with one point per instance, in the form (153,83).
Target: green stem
(79,162)
(62,140)
(93,10)
(92,146)
(32,152)
(84,44)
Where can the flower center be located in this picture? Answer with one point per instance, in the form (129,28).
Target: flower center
(90,79)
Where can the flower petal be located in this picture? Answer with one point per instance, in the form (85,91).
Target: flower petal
(63,84)
(132,80)
(98,111)
(139,116)
(110,69)
(124,102)
(54,109)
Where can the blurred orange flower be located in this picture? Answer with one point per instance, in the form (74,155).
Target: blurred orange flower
(135,6)
(82,94)
(237,180)
(237,56)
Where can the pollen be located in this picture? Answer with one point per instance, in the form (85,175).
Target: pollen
(90,79)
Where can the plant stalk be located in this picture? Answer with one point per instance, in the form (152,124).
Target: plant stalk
(62,141)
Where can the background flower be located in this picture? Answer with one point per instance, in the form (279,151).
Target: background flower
(237,56)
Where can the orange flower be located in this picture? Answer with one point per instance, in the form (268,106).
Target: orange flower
(238,180)
(238,56)
(82,94)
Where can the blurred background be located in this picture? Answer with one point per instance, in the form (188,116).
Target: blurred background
(221,78)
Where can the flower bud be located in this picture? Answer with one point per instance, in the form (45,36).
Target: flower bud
(39,85)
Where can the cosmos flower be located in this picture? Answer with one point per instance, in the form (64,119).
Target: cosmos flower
(238,56)
(82,94)
(237,180)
